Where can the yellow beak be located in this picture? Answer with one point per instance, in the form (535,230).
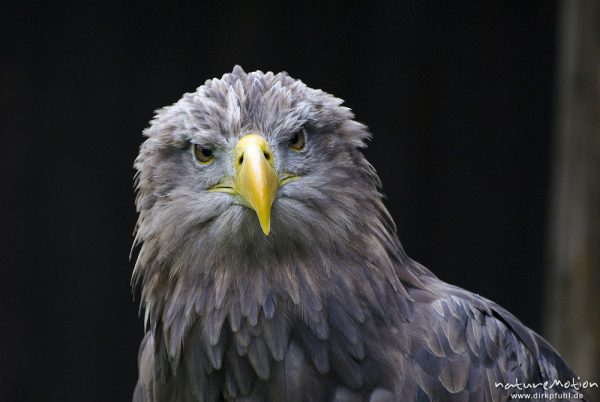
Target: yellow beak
(256,180)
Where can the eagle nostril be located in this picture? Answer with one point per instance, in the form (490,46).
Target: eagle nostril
(267,155)
(241,160)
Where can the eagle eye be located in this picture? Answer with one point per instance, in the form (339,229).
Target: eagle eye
(203,155)
(298,141)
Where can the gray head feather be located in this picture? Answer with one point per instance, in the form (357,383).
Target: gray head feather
(188,234)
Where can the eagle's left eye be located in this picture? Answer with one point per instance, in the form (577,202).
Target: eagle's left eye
(203,155)
(298,141)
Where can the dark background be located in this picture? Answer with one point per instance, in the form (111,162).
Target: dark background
(459,99)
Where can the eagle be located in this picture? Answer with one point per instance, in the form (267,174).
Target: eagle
(270,269)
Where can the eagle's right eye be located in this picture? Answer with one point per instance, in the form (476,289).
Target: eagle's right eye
(203,155)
